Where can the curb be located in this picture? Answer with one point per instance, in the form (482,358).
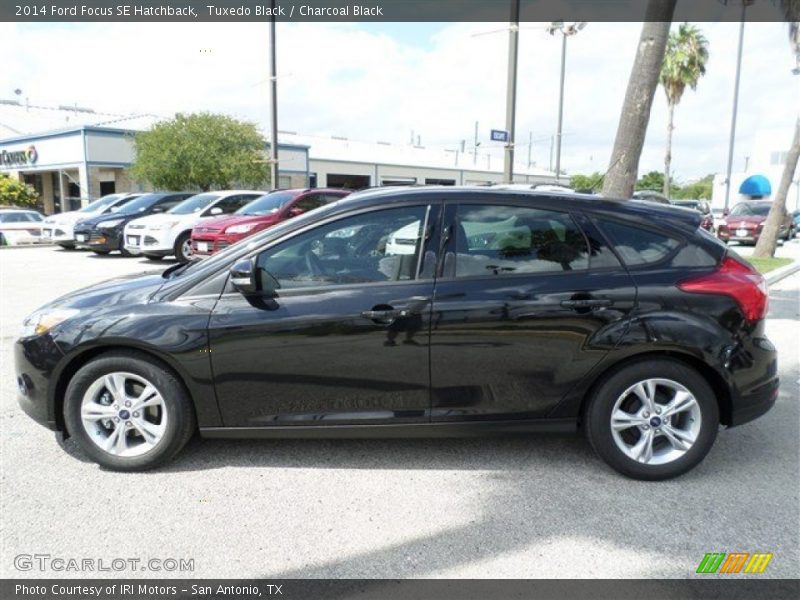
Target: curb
(778,274)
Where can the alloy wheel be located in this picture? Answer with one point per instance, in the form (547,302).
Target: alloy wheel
(124,414)
(655,421)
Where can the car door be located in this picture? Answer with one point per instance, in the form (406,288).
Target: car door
(344,338)
(527,303)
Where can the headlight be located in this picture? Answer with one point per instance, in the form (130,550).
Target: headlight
(240,228)
(111,223)
(165,225)
(43,321)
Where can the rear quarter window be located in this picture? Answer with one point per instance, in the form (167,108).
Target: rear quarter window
(638,246)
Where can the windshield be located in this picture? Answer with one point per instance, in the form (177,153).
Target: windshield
(746,210)
(194,204)
(101,203)
(266,205)
(138,205)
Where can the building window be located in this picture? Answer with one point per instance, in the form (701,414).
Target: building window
(433,181)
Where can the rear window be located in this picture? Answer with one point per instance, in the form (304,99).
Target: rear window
(638,246)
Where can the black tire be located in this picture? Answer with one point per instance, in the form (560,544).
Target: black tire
(102,252)
(180,254)
(597,418)
(124,252)
(68,246)
(153,257)
(180,425)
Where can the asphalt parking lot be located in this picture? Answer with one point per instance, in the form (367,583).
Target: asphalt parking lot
(522,507)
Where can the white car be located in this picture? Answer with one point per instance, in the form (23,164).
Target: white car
(169,233)
(20,226)
(59,227)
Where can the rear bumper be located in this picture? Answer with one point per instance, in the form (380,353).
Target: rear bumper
(754,368)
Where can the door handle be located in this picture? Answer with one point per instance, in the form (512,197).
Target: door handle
(586,303)
(384,315)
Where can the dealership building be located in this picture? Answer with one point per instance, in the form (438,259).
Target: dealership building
(72,156)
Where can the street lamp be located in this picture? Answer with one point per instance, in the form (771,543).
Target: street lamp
(566,31)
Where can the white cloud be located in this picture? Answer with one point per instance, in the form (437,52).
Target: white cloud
(347,80)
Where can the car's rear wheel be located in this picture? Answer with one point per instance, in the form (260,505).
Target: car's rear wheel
(653,420)
(183,247)
(128,412)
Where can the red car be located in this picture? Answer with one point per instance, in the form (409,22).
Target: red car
(268,210)
(745,222)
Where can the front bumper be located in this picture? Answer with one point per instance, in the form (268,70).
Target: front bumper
(101,240)
(206,245)
(58,233)
(750,236)
(35,359)
(158,242)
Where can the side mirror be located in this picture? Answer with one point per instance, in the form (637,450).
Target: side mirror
(243,277)
(215,211)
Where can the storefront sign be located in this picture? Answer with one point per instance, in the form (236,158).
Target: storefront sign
(28,156)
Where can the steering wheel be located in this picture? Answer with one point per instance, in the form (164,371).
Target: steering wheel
(314,265)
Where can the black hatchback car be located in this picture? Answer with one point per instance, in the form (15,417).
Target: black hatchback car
(103,234)
(419,312)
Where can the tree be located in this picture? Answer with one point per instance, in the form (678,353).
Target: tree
(200,151)
(15,193)
(701,189)
(768,240)
(654,180)
(586,183)
(642,84)
(684,64)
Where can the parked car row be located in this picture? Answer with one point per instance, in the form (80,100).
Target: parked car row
(189,225)
(180,224)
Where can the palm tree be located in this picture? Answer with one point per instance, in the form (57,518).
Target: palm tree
(684,64)
(768,240)
(624,164)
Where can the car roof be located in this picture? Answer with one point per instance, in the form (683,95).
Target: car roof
(652,212)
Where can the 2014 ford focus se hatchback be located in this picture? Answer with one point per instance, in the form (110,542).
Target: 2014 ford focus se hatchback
(419,312)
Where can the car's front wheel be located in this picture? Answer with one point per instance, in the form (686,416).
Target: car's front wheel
(653,420)
(128,412)
(183,247)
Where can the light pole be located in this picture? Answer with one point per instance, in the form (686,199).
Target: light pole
(566,31)
(273,77)
(735,106)
(511,93)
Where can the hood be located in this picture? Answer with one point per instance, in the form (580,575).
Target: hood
(68,217)
(221,223)
(95,219)
(158,218)
(130,289)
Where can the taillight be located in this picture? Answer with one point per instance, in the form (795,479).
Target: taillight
(736,280)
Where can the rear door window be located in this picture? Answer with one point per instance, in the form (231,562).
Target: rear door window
(507,240)
(638,246)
